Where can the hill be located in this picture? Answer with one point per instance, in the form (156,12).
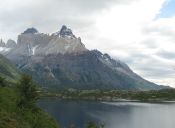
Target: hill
(11,116)
(8,70)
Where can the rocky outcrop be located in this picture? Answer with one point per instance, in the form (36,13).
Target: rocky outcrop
(2,43)
(31,42)
(11,44)
(30,31)
(87,70)
(66,32)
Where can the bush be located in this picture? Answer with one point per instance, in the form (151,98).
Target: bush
(2,82)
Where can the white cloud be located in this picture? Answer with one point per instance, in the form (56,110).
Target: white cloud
(132,33)
(127,20)
(127,29)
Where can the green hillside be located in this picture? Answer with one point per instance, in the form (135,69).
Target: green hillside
(14,116)
(11,115)
(8,70)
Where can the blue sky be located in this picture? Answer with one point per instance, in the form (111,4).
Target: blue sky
(168,9)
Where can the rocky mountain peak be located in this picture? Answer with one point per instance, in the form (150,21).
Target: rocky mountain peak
(11,44)
(31,43)
(3,47)
(66,32)
(61,60)
(30,31)
(2,43)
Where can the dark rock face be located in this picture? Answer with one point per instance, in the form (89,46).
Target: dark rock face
(61,61)
(83,71)
(2,43)
(66,32)
(11,44)
(30,31)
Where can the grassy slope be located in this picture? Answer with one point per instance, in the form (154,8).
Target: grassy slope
(8,70)
(12,117)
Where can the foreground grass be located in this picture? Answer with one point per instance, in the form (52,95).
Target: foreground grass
(13,117)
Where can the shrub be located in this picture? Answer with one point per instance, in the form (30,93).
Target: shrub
(2,82)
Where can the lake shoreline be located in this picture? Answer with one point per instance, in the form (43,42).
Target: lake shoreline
(110,100)
(166,95)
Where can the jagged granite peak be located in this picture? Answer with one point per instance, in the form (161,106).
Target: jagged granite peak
(2,43)
(66,32)
(30,31)
(111,63)
(11,44)
(3,48)
(32,43)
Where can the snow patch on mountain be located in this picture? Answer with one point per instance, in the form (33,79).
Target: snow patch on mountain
(33,49)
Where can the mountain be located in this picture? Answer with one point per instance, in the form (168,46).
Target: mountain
(10,44)
(61,60)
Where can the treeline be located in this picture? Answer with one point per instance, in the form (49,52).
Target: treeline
(159,95)
(113,95)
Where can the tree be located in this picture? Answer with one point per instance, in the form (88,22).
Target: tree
(2,82)
(27,92)
(94,125)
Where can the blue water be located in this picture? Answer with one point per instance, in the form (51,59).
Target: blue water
(113,115)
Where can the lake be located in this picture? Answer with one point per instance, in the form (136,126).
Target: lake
(113,115)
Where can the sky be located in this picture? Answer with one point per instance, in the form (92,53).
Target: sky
(140,33)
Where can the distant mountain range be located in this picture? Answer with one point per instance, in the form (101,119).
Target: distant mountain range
(61,60)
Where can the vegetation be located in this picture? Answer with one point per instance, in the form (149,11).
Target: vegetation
(2,82)
(8,70)
(18,98)
(94,125)
(159,95)
(18,106)
(27,92)
(113,95)
(18,109)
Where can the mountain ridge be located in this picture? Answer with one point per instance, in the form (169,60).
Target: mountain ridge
(61,60)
